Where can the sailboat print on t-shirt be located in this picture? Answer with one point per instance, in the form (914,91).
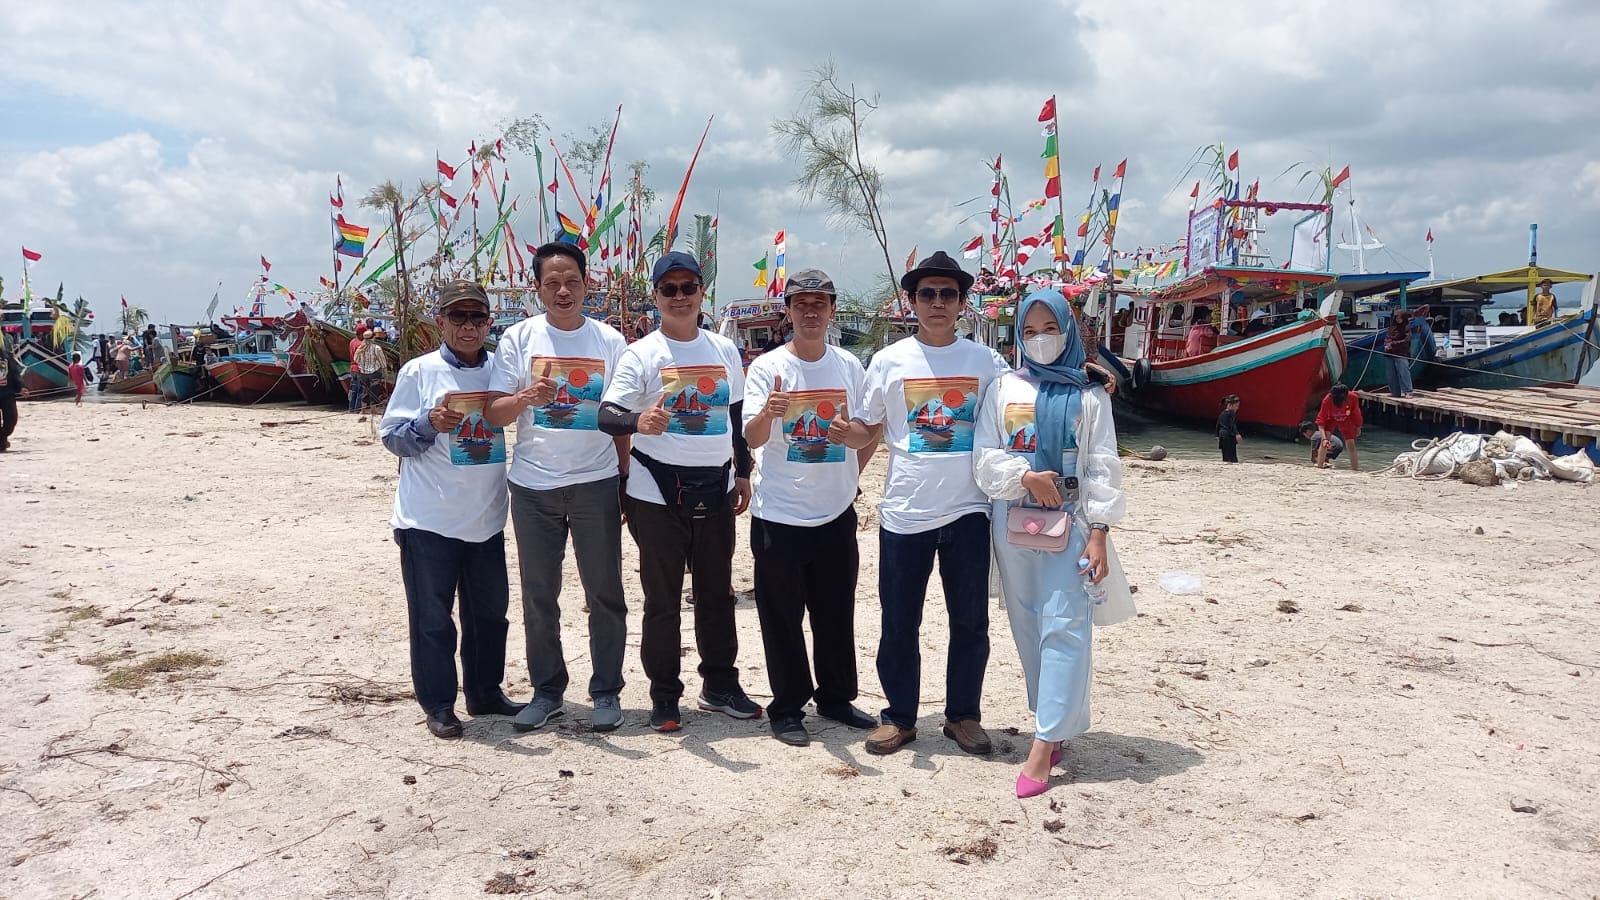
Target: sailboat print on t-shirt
(697,397)
(474,442)
(580,383)
(806,424)
(940,413)
(1019,430)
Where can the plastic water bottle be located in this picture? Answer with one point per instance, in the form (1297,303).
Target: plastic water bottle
(1096,592)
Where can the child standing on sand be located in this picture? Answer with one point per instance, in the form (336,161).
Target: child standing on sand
(1228,429)
(79,376)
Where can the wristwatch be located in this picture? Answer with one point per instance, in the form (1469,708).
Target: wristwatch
(1100,526)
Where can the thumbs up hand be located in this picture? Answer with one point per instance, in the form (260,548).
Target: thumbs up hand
(655,419)
(777,401)
(844,429)
(542,391)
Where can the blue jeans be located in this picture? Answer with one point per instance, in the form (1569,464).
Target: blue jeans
(905,563)
(355,391)
(1399,376)
(435,569)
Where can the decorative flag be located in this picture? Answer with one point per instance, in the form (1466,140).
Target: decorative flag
(778,241)
(448,200)
(911,259)
(1122,169)
(445,169)
(337,199)
(1195,194)
(265,266)
(1052,155)
(973,248)
(780,274)
(677,205)
(352,238)
(124,302)
(325,282)
(1341,178)
(1058,239)
(1429,238)
(760,266)
(34,256)
(1049,112)
(1233,161)
(570,233)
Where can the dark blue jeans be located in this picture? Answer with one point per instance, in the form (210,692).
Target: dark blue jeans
(905,563)
(436,569)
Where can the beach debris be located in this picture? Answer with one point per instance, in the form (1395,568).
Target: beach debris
(1524,806)
(1054,825)
(1350,607)
(844,770)
(1257,663)
(1488,460)
(508,883)
(565,773)
(1480,472)
(1180,583)
(1288,606)
(1306,817)
(304,731)
(1477,529)
(983,849)
(408,779)
(1156,454)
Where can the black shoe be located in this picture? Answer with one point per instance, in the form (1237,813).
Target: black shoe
(665,716)
(734,703)
(791,731)
(847,715)
(499,705)
(444,724)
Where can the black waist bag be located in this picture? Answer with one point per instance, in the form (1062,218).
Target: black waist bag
(693,492)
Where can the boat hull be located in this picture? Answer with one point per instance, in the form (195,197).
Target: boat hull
(254,379)
(44,374)
(141,383)
(178,382)
(1547,355)
(1281,376)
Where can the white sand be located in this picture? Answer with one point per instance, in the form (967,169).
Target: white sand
(1237,751)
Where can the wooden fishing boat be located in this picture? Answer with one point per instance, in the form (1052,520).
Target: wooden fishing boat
(254,377)
(1281,373)
(178,380)
(141,382)
(44,372)
(1490,356)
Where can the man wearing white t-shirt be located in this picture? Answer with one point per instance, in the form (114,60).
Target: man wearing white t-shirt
(450,515)
(550,373)
(922,394)
(679,391)
(797,402)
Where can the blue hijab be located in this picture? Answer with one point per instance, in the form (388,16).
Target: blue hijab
(1059,382)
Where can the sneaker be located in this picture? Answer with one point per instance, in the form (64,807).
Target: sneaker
(665,716)
(607,713)
(734,703)
(538,711)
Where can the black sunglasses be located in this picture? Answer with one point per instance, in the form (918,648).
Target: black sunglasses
(928,295)
(672,290)
(476,319)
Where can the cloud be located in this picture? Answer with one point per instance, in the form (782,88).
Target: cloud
(158,152)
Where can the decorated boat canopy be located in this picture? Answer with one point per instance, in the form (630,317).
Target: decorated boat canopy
(1482,288)
(1254,283)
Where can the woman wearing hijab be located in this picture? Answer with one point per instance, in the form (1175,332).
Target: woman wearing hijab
(1046,452)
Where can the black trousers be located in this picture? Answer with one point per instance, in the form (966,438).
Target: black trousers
(436,570)
(799,570)
(1230,450)
(8,415)
(668,542)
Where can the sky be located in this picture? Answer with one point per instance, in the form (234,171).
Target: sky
(154,151)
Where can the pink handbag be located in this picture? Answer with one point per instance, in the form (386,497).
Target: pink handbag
(1038,529)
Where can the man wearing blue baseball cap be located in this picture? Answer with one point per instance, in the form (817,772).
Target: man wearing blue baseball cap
(679,392)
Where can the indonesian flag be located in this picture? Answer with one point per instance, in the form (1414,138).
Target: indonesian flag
(778,240)
(973,248)
(448,200)
(1195,194)
(336,199)
(1122,169)
(1233,161)
(124,302)
(31,255)
(1049,111)
(1341,178)
(1429,238)
(445,169)
(265,266)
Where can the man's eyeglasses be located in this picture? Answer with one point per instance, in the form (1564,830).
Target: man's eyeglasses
(475,319)
(672,290)
(948,295)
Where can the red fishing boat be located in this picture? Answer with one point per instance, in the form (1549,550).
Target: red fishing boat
(689,405)
(473,434)
(564,401)
(255,371)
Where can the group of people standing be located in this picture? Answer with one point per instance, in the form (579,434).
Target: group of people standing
(672,437)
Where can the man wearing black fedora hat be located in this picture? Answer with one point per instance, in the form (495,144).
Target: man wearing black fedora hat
(921,394)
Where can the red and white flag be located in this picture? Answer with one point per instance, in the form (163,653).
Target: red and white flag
(1233,161)
(1341,178)
(265,266)
(448,200)
(1049,111)
(31,255)
(973,249)
(447,171)
(1429,238)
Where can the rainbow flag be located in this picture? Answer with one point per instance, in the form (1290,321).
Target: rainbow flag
(570,232)
(352,238)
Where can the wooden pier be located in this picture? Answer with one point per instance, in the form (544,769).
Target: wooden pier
(1568,413)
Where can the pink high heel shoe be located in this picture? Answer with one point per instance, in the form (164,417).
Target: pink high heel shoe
(1027,787)
(1055,757)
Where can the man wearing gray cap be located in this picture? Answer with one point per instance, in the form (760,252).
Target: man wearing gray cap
(679,391)
(797,403)
(450,515)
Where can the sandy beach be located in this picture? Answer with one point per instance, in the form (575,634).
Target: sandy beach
(1384,687)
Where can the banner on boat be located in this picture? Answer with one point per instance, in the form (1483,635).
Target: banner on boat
(1204,238)
(1308,250)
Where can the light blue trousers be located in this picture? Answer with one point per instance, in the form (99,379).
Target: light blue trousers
(1051,624)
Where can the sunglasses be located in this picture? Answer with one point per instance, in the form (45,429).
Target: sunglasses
(475,319)
(672,290)
(929,295)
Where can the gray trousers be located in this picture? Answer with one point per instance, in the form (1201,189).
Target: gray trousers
(542,520)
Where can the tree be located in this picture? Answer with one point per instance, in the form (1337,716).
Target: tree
(644,195)
(824,139)
(588,155)
(133,318)
(386,197)
(70,324)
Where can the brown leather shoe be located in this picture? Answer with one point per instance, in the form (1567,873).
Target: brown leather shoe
(970,736)
(888,737)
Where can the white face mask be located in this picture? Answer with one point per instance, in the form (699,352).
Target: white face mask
(1044,348)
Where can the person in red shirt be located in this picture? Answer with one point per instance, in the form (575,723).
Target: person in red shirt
(80,378)
(1340,414)
(355,371)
